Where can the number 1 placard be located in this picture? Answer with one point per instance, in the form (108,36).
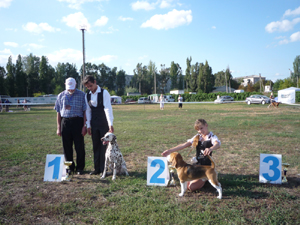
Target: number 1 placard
(54,167)
(157,171)
(270,168)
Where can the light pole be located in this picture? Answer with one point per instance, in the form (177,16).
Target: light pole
(83,28)
(225,81)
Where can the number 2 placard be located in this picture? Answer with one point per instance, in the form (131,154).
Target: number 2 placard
(157,171)
(54,167)
(270,168)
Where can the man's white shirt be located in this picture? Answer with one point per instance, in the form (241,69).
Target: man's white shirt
(106,104)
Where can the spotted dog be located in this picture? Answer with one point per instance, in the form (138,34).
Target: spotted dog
(113,155)
(187,172)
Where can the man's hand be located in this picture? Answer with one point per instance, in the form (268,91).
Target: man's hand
(111,129)
(58,132)
(89,131)
(83,131)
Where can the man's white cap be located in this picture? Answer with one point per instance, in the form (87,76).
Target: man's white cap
(70,83)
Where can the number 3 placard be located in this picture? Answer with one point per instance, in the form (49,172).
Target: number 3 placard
(157,171)
(270,168)
(54,167)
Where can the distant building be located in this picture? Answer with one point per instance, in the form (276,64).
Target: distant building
(252,79)
(177,92)
(223,89)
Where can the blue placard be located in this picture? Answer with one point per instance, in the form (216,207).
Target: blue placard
(54,167)
(270,168)
(157,171)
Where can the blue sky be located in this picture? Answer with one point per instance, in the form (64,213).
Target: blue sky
(251,37)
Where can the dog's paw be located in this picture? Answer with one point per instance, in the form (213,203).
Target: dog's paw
(114,177)
(219,197)
(102,177)
(180,195)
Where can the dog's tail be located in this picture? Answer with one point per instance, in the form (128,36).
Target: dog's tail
(211,159)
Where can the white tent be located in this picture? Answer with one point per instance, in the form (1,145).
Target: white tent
(116,99)
(288,95)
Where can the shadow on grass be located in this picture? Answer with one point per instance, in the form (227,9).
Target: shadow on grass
(249,186)
(86,178)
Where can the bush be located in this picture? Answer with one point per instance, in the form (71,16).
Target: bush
(204,97)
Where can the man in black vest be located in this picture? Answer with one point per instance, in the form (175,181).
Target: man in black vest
(99,119)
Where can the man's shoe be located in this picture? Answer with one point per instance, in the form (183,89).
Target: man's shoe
(94,172)
(79,172)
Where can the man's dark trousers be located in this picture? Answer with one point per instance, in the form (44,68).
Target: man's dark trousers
(99,149)
(71,133)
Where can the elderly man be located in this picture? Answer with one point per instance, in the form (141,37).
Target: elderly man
(70,106)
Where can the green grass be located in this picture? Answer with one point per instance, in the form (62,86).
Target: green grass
(144,130)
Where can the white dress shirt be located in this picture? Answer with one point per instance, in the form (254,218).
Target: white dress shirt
(106,104)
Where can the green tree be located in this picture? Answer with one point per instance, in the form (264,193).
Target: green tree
(21,78)
(296,66)
(174,75)
(104,73)
(209,79)
(180,80)
(152,77)
(194,79)
(2,81)
(10,77)
(121,79)
(138,75)
(112,77)
(287,82)
(219,79)
(188,72)
(46,74)
(205,79)
(163,78)
(31,65)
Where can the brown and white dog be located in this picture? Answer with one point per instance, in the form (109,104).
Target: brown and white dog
(113,155)
(275,104)
(187,172)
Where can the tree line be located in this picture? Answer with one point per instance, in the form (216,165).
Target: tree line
(33,76)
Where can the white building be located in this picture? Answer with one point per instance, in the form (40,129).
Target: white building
(252,79)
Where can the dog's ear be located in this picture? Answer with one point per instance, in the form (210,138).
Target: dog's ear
(175,160)
(114,137)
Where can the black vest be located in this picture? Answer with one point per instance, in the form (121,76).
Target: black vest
(203,160)
(98,115)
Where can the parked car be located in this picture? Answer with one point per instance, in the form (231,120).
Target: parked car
(257,99)
(143,100)
(129,101)
(169,98)
(224,98)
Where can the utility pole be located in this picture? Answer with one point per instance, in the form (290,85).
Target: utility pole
(226,82)
(83,28)
(154,81)
(259,83)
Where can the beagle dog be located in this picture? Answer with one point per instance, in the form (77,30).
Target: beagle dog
(187,172)
(275,104)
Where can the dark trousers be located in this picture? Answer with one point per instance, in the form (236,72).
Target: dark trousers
(71,133)
(98,148)
(180,105)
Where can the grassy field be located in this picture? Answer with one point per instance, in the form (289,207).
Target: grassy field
(144,130)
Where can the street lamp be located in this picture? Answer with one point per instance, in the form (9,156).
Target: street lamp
(83,28)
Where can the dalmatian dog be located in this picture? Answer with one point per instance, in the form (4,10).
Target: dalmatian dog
(113,156)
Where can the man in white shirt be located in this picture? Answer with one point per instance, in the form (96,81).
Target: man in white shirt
(99,120)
